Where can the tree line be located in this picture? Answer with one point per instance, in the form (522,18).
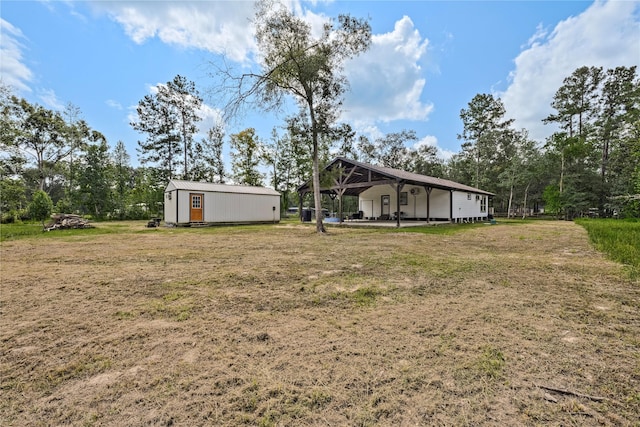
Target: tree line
(590,165)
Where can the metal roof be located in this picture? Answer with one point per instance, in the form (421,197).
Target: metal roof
(177,184)
(357,177)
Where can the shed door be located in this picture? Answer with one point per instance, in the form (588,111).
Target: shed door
(195,213)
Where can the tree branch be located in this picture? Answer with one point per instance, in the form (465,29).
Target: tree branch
(571,393)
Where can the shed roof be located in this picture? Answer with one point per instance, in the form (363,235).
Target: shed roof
(357,177)
(177,184)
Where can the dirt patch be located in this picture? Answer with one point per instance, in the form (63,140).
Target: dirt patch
(278,326)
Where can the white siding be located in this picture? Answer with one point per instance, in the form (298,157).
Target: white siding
(371,201)
(221,203)
(416,207)
(467,205)
(170,206)
(184,205)
(230,207)
(439,203)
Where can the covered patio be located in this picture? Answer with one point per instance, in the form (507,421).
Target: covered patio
(392,197)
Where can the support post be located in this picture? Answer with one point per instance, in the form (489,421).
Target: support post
(427,190)
(340,205)
(399,186)
(301,195)
(450,205)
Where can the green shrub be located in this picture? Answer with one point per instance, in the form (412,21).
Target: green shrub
(64,206)
(619,239)
(13,216)
(40,207)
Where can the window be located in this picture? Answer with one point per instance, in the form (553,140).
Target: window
(196,202)
(404,199)
(483,204)
(468,196)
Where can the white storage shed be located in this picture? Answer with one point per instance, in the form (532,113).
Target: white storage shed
(189,202)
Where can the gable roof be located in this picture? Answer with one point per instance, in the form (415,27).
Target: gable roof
(177,184)
(357,177)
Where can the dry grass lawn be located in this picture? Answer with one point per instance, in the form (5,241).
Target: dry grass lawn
(275,325)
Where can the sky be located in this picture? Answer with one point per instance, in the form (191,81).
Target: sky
(427,61)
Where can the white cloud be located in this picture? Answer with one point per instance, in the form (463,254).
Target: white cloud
(210,117)
(13,71)
(369,130)
(50,99)
(214,26)
(114,104)
(132,113)
(387,81)
(429,141)
(389,71)
(432,141)
(605,35)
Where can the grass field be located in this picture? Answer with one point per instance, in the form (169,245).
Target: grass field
(512,324)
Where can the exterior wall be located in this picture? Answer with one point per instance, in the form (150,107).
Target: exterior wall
(234,207)
(184,204)
(223,207)
(370,203)
(467,205)
(170,206)
(439,203)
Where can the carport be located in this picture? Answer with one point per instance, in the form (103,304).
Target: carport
(428,198)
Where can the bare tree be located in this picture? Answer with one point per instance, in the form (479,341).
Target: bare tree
(295,64)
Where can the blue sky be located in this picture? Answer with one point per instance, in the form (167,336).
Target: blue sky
(427,61)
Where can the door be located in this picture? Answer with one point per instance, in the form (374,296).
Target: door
(195,213)
(386,204)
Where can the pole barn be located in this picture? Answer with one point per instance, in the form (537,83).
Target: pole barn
(386,194)
(199,203)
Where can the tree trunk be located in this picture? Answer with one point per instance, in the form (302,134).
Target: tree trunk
(316,170)
(561,171)
(477,183)
(510,200)
(316,187)
(186,157)
(524,203)
(603,175)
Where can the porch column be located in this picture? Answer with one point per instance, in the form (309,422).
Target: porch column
(450,205)
(427,190)
(399,186)
(340,206)
(301,195)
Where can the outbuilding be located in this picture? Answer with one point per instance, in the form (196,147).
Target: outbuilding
(191,203)
(387,194)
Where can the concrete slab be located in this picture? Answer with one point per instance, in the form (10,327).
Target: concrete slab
(385,224)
